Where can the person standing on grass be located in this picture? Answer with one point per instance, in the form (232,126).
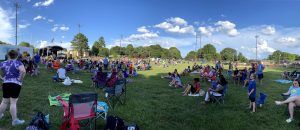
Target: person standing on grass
(259,72)
(252,93)
(13,74)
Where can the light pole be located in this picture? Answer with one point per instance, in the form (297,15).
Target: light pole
(17,5)
(256,37)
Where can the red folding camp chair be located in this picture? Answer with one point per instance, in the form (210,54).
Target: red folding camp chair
(80,107)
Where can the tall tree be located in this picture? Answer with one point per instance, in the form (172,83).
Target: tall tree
(129,50)
(208,51)
(241,57)
(191,55)
(174,53)
(1,42)
(95,50)
(229,54)
(100,43)
(24,44)
(103,52)
(80,43)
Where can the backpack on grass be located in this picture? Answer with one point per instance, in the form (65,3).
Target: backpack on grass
(114,123)
(38,122)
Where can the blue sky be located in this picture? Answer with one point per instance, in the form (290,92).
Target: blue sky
(224,23)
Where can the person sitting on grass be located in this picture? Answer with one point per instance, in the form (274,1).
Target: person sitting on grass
(214,91)
(60,75)
(69,66)
(293,100)
(252,93)
(193,89)
(56,65)
(169,76)
(176,82)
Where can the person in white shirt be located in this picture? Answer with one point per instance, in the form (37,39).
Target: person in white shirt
(61,74)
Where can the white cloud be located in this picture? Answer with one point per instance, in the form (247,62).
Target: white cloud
(269,30)
(144,36)
(6,29)
(59,27)
(28,0)
(143,29)
(288,41)
(54,29)
(164,25)
(227,27)
(63,28)
(23,26)
(264,47)
(45,3)
(50,20)
(62,37)
(39,17)
(207,31)
(176,25)
(177,21)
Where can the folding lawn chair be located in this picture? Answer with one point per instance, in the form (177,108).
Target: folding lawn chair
(102,110)
(220,98)
(81,108)
(117,94)
(262,98)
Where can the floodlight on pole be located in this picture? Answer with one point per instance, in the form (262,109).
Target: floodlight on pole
(256,37)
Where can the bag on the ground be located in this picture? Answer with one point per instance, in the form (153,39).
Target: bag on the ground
(133,127)
(67,81)
(114,123)
(38,122)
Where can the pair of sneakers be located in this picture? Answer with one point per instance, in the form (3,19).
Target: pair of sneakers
(14,122)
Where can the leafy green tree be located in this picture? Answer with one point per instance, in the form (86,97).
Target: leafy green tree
(115,51)
(229,54)
(155,50)
(129,50)
(100,43)
(103,52)
(1,42)
(174,53)
(208,51)
(95,50)
(80,43)
(242,58)
(24,44)
(191,55)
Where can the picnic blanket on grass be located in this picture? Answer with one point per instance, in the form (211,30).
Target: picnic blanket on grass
(54,102)
(283,81)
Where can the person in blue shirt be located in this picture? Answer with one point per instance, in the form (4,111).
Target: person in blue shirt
(105,63)
(37,58)
(252,93)
(293,100)
(259,72)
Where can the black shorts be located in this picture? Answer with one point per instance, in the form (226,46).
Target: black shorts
(11,90)
(252,99)
(193,90)
(260,76)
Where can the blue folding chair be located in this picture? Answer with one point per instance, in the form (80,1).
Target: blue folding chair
(262,99)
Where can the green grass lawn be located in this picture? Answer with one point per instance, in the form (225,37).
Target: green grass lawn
(153,105)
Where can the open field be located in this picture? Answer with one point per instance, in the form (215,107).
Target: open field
(153,105)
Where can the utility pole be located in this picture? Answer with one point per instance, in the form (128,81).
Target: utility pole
(79,28)
(256,37)
(17,6)
(196,46)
